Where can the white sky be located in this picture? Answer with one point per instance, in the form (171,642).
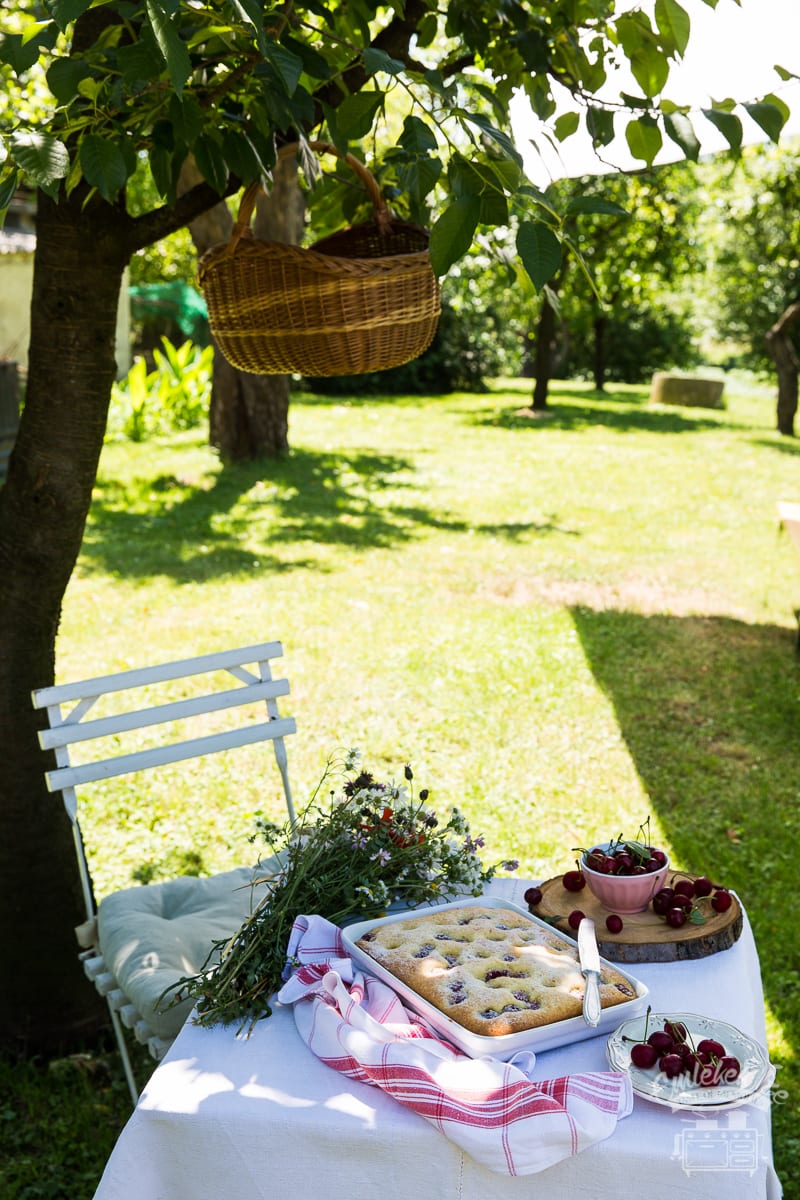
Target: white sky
(732,53)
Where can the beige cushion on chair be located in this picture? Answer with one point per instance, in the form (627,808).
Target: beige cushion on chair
(152,936)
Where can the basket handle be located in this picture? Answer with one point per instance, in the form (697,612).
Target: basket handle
(381,212)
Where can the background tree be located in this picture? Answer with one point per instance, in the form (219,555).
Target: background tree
(153,81)
(613,305)
(632,317)
(753,234)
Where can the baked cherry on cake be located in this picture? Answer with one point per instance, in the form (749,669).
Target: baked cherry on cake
(491,970)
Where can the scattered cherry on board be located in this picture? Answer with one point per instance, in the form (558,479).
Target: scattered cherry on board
(689,900)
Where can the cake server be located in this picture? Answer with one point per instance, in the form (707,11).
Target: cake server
(589,957)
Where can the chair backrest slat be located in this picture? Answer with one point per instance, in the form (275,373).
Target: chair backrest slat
(70,731)
(142,760)
(68,704)
(142,676)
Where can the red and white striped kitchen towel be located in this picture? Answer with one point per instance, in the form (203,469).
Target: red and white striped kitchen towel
(491,1109)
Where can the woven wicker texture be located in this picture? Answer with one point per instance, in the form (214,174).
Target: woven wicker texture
(363,299)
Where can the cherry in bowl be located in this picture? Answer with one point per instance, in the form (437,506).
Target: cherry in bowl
(622,893)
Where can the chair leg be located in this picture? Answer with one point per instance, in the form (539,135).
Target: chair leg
(123,1053)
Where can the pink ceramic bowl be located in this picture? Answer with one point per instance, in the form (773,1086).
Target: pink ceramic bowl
(623,893)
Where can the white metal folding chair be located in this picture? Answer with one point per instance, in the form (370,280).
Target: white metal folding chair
(141,940)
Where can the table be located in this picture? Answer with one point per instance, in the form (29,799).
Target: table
(235,1118)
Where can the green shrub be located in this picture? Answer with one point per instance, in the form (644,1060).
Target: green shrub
(637,343)
(171,397)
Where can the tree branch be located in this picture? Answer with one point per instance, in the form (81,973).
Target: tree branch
(153,226)
(394,40)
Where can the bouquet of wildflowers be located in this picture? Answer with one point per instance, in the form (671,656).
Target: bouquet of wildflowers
(349,856)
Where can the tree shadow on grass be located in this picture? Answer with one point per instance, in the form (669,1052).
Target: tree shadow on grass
(708,707)
(612,410)
(784,445)
(190,532)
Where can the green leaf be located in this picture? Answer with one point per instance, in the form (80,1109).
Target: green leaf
(419,176)
(187,117)
(63,77)
(644,139)
(417,137)
(241,156)
(452,233)
(41,156)
(596,204)
(499,172)
(540,251)
(314,63)
(566,125)
(647,61)
(634,101)
(427,29)
(211,162)
(650,69)
(379,60)
(103,165)
(673,24)
(141,61)
(356,114)
(170,43)
(436,82)
(600,124)
(90,89)
(728,124)
(252,13)
(464,177)
(770,114)
(288,66)
(64,11)
(680,129)
(19,54)
(8,187)
(494,208)
(127,148)
(496,135)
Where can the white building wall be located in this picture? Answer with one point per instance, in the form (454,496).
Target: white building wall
(16,286)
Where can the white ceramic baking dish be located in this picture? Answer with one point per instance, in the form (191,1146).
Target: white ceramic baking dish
(546,1037)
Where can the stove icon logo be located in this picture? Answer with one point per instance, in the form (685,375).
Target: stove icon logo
(709,1145)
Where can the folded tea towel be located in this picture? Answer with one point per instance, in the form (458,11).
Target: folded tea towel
(493,1110)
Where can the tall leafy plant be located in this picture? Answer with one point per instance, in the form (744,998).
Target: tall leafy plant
(173,396)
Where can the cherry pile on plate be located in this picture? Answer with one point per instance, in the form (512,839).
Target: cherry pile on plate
(672,1050)
(678,903)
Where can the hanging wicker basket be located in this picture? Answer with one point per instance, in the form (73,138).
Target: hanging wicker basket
(364,299)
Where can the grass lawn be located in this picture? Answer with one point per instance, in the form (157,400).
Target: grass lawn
(565,624)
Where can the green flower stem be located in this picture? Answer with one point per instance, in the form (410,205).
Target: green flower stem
(370,846)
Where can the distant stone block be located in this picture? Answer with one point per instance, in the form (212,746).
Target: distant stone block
(688,390)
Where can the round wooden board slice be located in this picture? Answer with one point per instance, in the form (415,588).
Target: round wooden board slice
(644,936)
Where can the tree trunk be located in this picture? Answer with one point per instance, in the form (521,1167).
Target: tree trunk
(781,347)
(599,365)
(543,356)
(249,414)
(45,1001)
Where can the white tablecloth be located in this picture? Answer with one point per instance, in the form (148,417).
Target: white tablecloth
(236,1118)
